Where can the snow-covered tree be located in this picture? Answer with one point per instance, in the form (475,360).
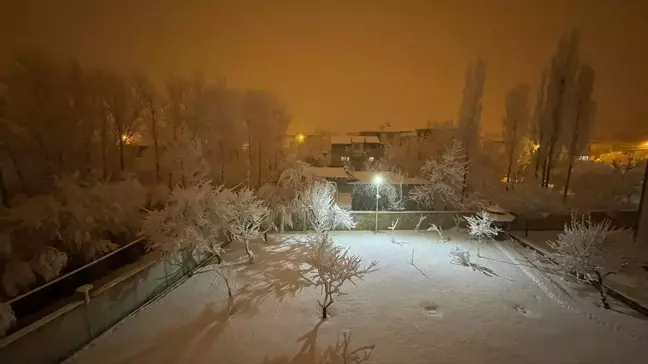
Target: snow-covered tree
(184,160)
(582,120)
(585,250)
(329,266)
(516,124)
(481,228)
(445,179)
(246,217)
(460,256)
(7,318)
(193,218)
(322,211)
(283,197)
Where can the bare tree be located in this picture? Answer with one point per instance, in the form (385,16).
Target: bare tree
(583,119)
(149,96)
(558,102)
(515,125)
(328,266)
(470,113)
(585,250)
(125,108)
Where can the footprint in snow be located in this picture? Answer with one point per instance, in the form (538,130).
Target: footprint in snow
(525,311)
(431,309)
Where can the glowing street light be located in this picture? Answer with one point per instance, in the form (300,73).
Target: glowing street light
(300,138)
(377,180)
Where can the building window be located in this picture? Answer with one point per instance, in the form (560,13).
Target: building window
(583,158)
(344,158)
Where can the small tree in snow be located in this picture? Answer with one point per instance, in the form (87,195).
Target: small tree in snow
(324,214)
(246,216)
(481,228)
(7,318)
(460,257)
(393,230)
(445,179)
(583,249)
(438,229)
(329,267)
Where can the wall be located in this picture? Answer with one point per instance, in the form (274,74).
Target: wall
(618,219)
(407,220)
(69,328)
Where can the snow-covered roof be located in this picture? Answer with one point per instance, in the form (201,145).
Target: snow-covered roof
(329,172)
(354,139)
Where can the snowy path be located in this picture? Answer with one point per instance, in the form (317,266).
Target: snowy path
(454,315)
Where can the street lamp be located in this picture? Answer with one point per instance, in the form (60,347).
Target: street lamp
(377,180)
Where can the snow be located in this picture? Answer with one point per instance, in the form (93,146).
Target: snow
(431,311)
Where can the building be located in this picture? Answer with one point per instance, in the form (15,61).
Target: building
(354,150)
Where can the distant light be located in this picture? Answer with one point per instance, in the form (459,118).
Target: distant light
(644,144)
(245,146)
(583,158)
(378,179)
(300,138)
(371,159)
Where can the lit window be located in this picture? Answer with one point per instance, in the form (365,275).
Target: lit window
(584,158)
(344,158)
(371,159)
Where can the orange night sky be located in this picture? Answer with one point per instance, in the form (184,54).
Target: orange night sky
(354,64)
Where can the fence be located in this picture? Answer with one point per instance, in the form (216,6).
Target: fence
(407,220)
(94,308)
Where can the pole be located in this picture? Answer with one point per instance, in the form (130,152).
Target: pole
(377,196)
(642,218)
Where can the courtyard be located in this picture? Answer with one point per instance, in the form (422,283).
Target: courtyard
(418,307)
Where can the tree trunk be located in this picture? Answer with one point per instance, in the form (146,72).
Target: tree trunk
(259,167)
(328,300)
(222,163)
(3,191)
(104,145)
(568,179)
(601,289)
(19,173)
(249,252)
(121,154)
(158,176)
(508,172)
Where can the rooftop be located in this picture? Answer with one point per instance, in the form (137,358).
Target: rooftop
(353,139)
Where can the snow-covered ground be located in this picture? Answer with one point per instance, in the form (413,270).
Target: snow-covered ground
(631,282)
(429,312)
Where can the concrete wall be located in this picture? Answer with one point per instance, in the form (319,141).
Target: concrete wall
(407,220)
(66,330)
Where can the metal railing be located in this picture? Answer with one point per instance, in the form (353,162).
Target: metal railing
(69,274)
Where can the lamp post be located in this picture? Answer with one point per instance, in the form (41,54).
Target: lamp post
(377,180)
